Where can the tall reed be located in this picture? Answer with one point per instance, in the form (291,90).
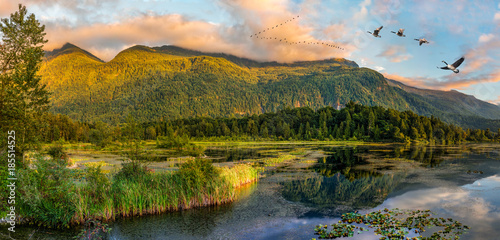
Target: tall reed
(135,191)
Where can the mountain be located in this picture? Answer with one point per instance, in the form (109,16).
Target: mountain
(172,82)
(453,101)
(70,49)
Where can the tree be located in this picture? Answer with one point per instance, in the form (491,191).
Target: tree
(371,122)
(23,97)
(131,130)
(151,133)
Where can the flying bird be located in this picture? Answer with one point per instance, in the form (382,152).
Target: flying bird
(453,67)
(400,32)
(375,33)
(421,41)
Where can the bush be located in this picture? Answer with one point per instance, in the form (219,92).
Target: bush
(177,142)
(194,150)
(58,154)
(97,183)
(47,193)
(132,170)
(198,171)
(181,143)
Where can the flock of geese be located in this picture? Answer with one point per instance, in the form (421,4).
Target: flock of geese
(376,33)
(261,35)
(453,67)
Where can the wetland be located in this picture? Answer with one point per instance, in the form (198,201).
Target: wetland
(303,185)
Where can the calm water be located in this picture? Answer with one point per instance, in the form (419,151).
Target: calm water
(458,182)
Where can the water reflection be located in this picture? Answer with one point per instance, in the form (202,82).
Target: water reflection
(189,224)
(428,156)
(343,160)
(339,191)
(238,154)
(476,204)
(287,205)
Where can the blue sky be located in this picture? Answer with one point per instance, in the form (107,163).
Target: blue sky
(454,29)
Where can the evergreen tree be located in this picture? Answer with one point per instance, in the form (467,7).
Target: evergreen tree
(23,98)
(235,129)
(371,122)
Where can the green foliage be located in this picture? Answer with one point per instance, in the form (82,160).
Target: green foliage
(98,183)
(23,96)
(100,135)
(46,193)
(132,170)
(177,142)
(351,123)
(355,122)
(57,153)
(171,83)
(180,143)
(50,195)
(198,171)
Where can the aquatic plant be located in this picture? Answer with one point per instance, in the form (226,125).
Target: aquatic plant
(394,224)
(54,196)
(271,162)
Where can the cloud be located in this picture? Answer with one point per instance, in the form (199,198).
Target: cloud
(148,29)
(459,18)
(174,29)
(386,11)
(497,15)
(481,215)
(362,14)
(419,82)
(495,101)
(485,38)
(395,53)
(8,7)
(483,54)
(448,82)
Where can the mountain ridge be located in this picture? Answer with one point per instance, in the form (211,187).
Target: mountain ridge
(469,104)
(172,82)
(69,48)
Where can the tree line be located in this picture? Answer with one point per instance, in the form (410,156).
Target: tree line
(354,122)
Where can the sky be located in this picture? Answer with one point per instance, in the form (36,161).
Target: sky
(454,28)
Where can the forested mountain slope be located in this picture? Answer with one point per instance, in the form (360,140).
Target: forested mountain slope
(170,82)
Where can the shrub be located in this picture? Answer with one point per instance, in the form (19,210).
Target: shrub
(58,154)
(132,170)
(198,171)
(47,193)
(97,183)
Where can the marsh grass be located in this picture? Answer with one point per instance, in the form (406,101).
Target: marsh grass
(273,161)
(53,197)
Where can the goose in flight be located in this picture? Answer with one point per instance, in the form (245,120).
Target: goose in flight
(375,33)
(422,40)
(453,67)
(400,32)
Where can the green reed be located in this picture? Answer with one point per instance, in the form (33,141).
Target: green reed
(137,192)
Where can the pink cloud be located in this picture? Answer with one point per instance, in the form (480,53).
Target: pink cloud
(480,56)
(174,29)
(496,101)
(395,54)
(448,83)
(8,7)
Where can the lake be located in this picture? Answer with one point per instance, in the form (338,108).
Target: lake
(459,182)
